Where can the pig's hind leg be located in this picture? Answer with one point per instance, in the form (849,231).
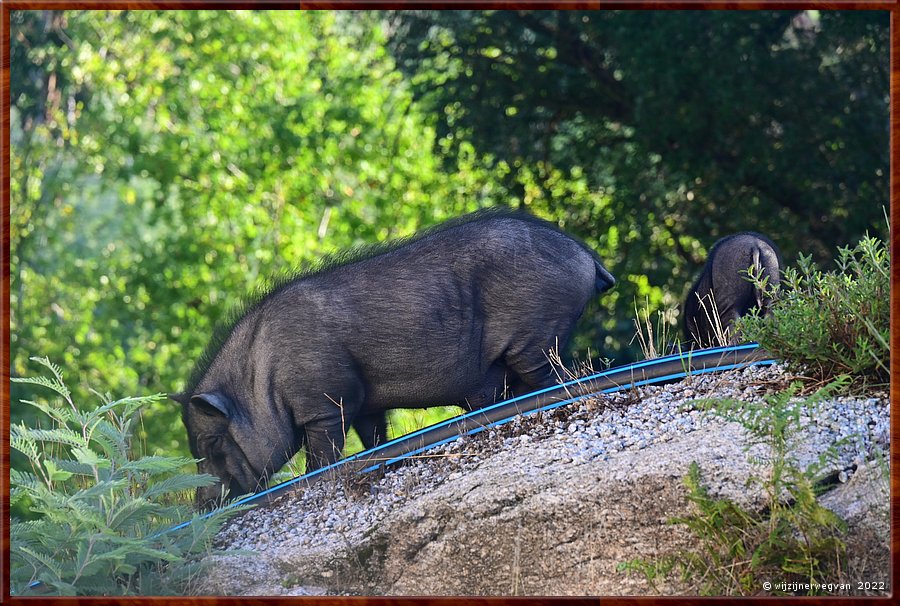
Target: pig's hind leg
(372,428)
(533,370)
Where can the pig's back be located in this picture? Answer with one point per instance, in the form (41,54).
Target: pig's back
(427,319)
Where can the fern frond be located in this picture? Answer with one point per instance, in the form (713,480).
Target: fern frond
(113,442)
(99,530)
(178,483)
(155,464)
(59,435)
(53,384)
(129,511)
(71,466)
(43,560)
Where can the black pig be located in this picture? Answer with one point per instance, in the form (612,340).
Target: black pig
(451,316)
(723,292)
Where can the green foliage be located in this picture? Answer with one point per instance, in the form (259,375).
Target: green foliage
(827,323)
(98,516)
(651,134)
(793,539)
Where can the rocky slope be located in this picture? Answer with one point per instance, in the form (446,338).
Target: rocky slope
(552,504)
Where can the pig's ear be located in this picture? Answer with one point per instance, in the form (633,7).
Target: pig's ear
(181,398)
(213,403)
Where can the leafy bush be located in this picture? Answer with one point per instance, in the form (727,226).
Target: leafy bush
(793,539)
(99,514)
(828,323)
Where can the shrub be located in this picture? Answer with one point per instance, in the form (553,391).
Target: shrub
(793,539)
(99,514)
(829,323)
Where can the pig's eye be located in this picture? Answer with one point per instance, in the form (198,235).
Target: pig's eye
(211,443)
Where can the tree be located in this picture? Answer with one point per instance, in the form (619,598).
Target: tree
(677,127)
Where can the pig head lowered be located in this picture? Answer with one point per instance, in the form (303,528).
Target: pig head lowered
(452,316)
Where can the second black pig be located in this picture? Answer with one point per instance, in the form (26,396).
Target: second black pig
(723,292)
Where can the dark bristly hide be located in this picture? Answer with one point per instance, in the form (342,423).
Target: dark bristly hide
(724,292)
(456,315)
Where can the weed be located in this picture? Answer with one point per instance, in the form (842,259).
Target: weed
(99,515)
(719,335)
(656,342)
(793,539)
(830,323)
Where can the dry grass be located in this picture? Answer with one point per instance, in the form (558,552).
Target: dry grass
(657,341)
(721,334)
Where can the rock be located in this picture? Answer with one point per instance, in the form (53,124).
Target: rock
(506,515)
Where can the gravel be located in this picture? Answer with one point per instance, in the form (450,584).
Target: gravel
(331,513)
